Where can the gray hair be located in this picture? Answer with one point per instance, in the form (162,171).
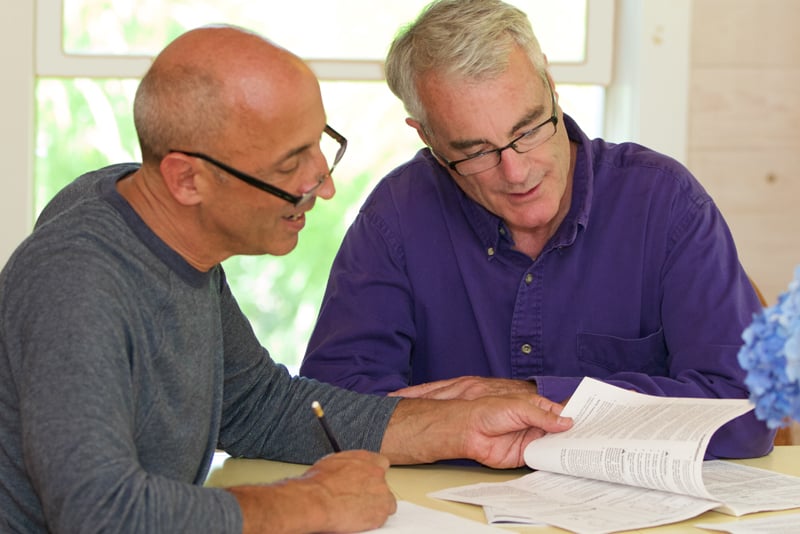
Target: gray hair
(471,39)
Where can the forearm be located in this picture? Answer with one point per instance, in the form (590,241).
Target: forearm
(490,430)
(258,394)
(416,425)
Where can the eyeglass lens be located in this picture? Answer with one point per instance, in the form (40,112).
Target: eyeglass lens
(330,148)
(528,141)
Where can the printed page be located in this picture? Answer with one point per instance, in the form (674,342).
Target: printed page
(411,518)
(577,504)
(762,525)
(585,505)
(635,439)
(644,459)
(734,484)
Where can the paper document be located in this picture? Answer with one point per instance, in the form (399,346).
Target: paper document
(630,461)
(762,525)
(411,518)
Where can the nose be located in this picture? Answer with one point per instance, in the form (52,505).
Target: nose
(323,186)
(514,165)
(326,188)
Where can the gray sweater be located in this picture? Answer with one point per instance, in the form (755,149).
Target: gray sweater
(122,368)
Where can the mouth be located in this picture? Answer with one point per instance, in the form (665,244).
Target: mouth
(294,217)
(527,192)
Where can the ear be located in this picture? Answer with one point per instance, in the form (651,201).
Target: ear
(422,135)
(420,130)
(180,177)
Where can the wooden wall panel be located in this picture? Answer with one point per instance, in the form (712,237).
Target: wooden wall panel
(745,108)
(744,127)
(758,191)
(744,131)
(743,33)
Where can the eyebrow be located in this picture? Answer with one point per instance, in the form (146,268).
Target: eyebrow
(291,153)
(531,116)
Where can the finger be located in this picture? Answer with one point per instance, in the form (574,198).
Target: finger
(420,390)
(411,392)
(448,392)
(547,420)
(551,422)
(546,404)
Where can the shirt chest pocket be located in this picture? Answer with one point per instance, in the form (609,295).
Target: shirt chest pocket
(601,355)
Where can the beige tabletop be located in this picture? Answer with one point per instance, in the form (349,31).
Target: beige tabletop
(413,483)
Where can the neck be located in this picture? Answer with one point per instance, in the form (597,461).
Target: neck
(531,241)
(170,221)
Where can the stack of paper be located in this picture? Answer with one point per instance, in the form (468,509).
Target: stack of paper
(630,461)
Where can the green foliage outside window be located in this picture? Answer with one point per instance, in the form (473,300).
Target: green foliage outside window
(85,124)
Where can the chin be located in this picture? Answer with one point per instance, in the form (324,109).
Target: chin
(281,249)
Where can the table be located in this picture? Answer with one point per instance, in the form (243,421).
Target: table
(413,483)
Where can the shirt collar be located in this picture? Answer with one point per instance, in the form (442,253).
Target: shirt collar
(582,188)
(173,260)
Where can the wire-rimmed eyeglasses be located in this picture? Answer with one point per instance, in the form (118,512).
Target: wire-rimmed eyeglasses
(526,141)
(296,200)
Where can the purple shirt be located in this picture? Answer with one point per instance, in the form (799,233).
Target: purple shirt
(640,286)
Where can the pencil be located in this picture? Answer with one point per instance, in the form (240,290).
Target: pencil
(328,432)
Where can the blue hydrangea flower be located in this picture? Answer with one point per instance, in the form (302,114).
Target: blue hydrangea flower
(771,357)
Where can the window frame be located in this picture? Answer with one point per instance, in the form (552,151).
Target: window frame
(622,55)
(51,60)
(17,126)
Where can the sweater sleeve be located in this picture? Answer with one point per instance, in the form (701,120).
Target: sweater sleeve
(267,413)
(66,347)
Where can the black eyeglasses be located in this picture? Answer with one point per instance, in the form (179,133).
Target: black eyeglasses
(483,161)
(271,189)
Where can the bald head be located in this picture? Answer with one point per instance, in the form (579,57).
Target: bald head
(209,83)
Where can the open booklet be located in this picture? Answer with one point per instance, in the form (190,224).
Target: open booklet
(630,461)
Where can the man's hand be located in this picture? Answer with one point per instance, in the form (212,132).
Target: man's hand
(343,492)
(491,430)
(467,387)
(497,429)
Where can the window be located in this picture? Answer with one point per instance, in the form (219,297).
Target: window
(89,62)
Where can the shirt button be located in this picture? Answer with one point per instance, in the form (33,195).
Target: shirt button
(528,278)
(502,231)
(526,349)
(490,251)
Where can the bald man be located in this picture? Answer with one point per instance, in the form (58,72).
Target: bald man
(125,360)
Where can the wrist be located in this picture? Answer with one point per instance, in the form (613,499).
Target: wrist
(283,507)
(425,431)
